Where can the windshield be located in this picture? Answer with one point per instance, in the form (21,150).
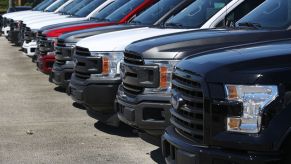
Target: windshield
(78,7)
(58,4)
(43,5)
(89,8)
(154,13)
(109,9)
(195,15)
(70,6)
(123,11)
(273,14)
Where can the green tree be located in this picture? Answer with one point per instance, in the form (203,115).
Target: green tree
(3,5)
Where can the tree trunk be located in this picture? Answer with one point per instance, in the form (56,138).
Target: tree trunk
(11,4)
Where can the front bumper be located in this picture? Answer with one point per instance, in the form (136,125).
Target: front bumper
(29,48)
(61,74)
(178,149)
(45,63)
(98,95)
(149,113)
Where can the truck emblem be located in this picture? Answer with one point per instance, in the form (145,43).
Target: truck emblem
(177,101)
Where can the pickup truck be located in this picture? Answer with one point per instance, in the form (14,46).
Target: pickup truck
(48,12)
(231,106)
(29,38)
(61,10)
(126,11)
(6,18)
(144,96)
(64,65)
(98,57)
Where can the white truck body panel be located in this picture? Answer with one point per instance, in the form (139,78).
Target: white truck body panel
(117,41)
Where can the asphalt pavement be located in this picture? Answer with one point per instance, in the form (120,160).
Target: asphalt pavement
(39,124)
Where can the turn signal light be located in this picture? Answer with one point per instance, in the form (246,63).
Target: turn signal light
(232,92)
(105,65)
(163,77)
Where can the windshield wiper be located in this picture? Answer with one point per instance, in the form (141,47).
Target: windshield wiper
(95,19)
(106,20)
(135,22)
(177,25)
(250,24)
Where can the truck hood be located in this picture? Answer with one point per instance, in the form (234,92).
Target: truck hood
(264,63)
(117,41)
(179,46)
(9,15)
(63,24)
(76,36)
(31,15)
(43,18)
(40,24)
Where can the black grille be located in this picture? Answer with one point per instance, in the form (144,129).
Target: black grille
(132,89)
(133,58)
(27,33)
(82,75)
(61,43)
(62,50)
(82,51)
(188,119)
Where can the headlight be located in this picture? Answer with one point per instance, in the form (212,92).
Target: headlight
(166,69)
(254,99)
(110,62)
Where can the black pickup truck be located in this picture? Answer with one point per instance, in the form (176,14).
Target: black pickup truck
(64,65)
(88,84)
(144,96)
(232,106)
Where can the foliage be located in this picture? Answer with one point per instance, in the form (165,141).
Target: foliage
(3,5)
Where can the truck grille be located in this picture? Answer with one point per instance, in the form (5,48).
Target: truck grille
(132,89)
(133,58)
(189,117)
(42,39)
(62,51)
(27,34)
(86,64)
(82,51)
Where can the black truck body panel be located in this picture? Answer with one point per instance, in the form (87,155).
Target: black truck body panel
(257,64)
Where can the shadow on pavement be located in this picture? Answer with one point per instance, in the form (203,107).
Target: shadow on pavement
(79,106)
(60,89)
(123,130)
(156,156)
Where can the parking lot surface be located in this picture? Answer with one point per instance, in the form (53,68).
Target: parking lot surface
(39,124)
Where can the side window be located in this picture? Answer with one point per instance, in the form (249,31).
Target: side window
(239,12)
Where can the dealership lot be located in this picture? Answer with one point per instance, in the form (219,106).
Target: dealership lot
(39,124)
